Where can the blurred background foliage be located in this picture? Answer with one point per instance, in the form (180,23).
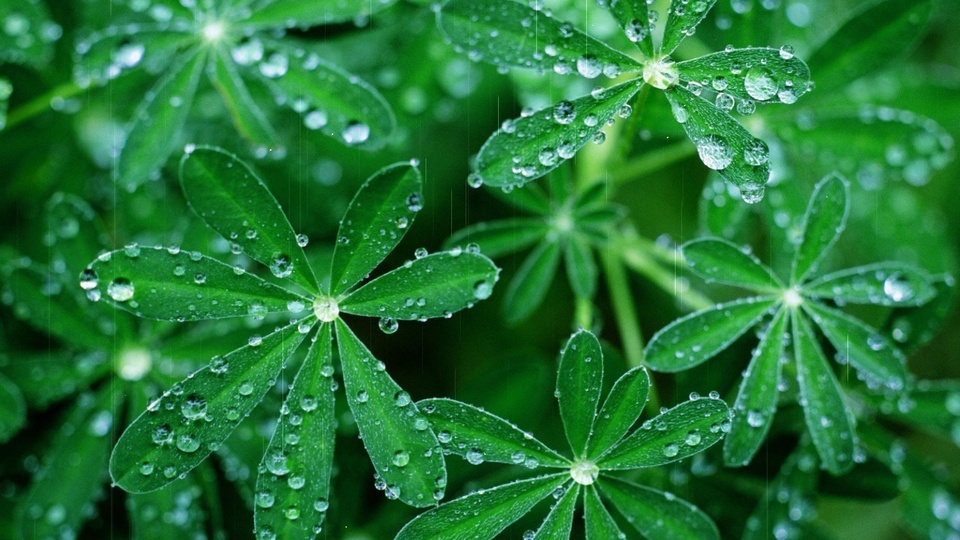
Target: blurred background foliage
(61,138)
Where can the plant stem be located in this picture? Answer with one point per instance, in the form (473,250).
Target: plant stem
(583,314)
(652,161)
(623,307)
(641,256)
(41,103)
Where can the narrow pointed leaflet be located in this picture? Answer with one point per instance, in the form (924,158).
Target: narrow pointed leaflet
(579,379)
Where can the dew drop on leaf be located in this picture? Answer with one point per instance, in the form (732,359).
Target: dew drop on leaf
(120,289)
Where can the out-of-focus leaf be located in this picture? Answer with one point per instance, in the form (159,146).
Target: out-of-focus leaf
(581,268)
(48,376)
(280,13)
(13,409)
(29,33)
(531,282)
(825,219)
(248,116)
(500,238)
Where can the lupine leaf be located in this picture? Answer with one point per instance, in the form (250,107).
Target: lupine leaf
(830,424)
(29,33)
(6,89)
(78,456)
(579,379)
(532,146)
(279,13)
(879,143)
(656,514)
(798,479)
(936,407)
(620,410)
(723,144)
(500,238)
(297,465)
(867,350)
(164,284)
(719,214)
(401,446)
(115,50)
(248,117)
(13,409)
(531,282)
(510,33)
(38,297)
(759,74)
(436,285)
(682,21)
(581,268)
(482,514)
(684,430)
(757,399)
(46,377)
(695,338)
(149,512)
(598,523)
(869,40)
(559,521)
(378,217)
(825,219)
(338,104)
(180,429)
(716,259)
(464,429)
(77,236)
(912,328)
(634,18)
(155,131)
(233,201)
(884,284)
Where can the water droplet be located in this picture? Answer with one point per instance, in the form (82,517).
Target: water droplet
(162,434)
(326,308)
(389,325)
(897,288)
(755,418)
(414,202)
(277,463)
(474,456)
(584,473)
(194,407)
(120,289)
(564,112)
(786,52)
(281,266)
(321,505)
(187,443)
(670,450)
(89,279)
(355,133)
(482,290)
(264,499)
(401,458)
(589,66)
(760,84)
(715,152)
(296,481)
(255,341)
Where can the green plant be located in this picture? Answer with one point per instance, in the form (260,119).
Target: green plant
(232,363)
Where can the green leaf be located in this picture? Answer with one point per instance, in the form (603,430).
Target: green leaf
(378,217)
(879,144)
(72,472)
(74,232)
(828,418)
(297,465)
(478,435)
(38,297)
(529,147)
(281,13)
(174,285)
(29,33)
(883,284)
(46,377)
(911,328)
(825,219)
(436,285)
(233,201)
(723,144)
(149,512)
(247,116)
(13,409)
(762,75)
(510,33)
(867,350)
(155,130)
(634,18)
(483,514)
(682,20)
(936,408)
(581,268)
(156,47)
(6,89)
(720,214)
(182,427)
(869,40)
(685,430)
(598,522)
(579,379)
(529,198)
(531,282)
(620,410)
(559,522)
(500,238)
(401,446)
(695,338)
(657,514)
(715,259)
(757,399)
(798,479)
(337,103)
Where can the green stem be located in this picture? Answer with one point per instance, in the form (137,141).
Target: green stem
(641,256)
(41,103)
(584,313)
(652,161)
(623,307)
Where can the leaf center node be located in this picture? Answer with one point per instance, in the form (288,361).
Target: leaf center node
(133,363)
(326,308)
(661,73)
(584,473)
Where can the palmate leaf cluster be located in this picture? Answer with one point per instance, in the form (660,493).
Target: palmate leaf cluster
(304,361)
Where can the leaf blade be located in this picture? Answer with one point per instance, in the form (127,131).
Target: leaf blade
(498,238)
(884,284)
(579,379)
(634,18)
(167,441)
(657,514)
(279,13)
(559,521)
(436,285)
(716,259)
(247,116)
(581,268)
(825,219)
(682,21)
(620,410)
(404,451)
(231,199)
(383,203)
(757,74)
(695,338)
(531,282)
(598,523)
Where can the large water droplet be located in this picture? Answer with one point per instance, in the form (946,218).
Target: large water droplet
(715,152)
(120,289)
(355,133)
(761,84)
